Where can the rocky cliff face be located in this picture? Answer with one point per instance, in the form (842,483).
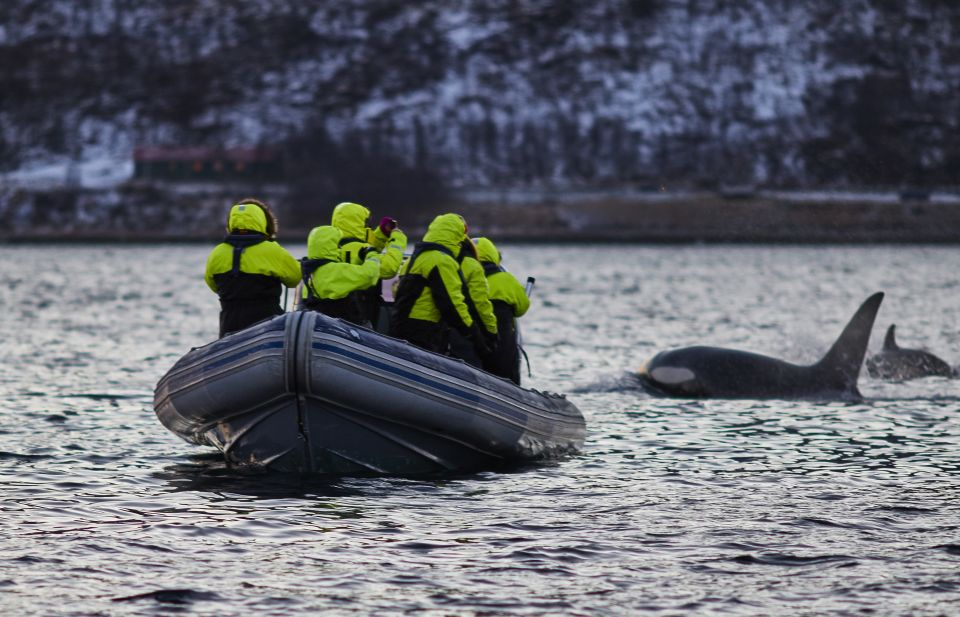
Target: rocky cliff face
(521,93)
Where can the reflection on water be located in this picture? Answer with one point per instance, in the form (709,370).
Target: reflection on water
(208,473)
(674,507)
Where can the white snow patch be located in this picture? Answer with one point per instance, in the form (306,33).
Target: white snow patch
(96,173)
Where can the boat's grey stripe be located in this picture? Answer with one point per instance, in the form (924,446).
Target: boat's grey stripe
(461,390)
(202,380)
(523,427)
(203,359)
(412,371)
(243,353)
(462,393)
(393,438)
(364,351)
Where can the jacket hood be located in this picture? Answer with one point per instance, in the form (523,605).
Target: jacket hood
(487,250)
(448,230)
(324,243)
(351,219)
(247,216)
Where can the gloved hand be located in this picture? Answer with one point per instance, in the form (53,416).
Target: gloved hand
(481,340)
(387,225)
(476,338)
(491,340)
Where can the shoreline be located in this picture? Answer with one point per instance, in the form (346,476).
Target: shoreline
(571,239)
(746,217)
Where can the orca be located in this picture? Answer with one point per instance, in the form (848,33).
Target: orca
(714,372)
(896,363)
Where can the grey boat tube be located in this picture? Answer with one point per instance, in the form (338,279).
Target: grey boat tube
(307,393)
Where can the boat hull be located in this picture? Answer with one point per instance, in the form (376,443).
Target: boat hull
(306,393)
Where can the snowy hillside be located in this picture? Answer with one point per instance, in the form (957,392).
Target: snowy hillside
(522,93)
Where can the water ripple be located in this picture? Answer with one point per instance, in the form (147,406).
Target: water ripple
(674,507)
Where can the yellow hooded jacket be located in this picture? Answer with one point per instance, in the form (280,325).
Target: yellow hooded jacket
(247,270)
(265,257)
(333,279)
(351,219)
(504,287)
(477,289)
(431,286)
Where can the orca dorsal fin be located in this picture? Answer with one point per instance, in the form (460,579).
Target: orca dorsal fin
(841,365)
(890,342)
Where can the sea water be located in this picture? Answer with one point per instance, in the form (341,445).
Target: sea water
(674,507)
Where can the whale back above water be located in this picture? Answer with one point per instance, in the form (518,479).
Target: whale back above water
(896,363)
(716,372)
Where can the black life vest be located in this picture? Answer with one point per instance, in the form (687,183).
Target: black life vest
(245,298)
(239,242)
(490,268)
(412,285)
(236,285)
(360,255)
(347,308)
(307,268)
(367,299)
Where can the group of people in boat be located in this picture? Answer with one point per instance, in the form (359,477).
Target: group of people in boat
(450,296)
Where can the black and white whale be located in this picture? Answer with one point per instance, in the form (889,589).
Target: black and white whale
(899,364)
(713,372)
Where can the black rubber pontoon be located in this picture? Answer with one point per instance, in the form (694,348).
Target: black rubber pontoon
(303,392)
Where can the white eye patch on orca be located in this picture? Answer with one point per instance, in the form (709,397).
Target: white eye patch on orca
(672,374)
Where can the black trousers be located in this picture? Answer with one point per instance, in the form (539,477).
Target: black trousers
(505,360)
(463,348)
(425,334)
(240,314)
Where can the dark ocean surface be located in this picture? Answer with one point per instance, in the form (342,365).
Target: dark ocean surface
(674,507)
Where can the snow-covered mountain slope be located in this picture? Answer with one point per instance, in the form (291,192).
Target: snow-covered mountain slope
(788,93)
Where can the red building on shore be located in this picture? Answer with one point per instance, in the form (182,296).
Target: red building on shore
(203,163)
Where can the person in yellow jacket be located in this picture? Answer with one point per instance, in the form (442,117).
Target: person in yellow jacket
(509,302)
(328,283)
(387,239)
(477,295)
(249,269)
(429,297)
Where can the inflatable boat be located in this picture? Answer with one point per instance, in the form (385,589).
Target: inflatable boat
(306,393)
